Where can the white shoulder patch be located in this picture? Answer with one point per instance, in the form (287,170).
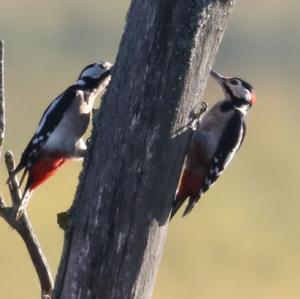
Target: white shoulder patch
(243,109)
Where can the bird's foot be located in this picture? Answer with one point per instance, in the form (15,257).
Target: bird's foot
(195,114)
(198,110)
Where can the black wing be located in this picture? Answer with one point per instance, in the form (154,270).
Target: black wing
(49,121)
(229,144)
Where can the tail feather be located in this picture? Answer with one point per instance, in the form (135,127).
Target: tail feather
(177,203)
(27,188)
(16,171)
(23,176)
(192,202)
(189,206)
(19,167)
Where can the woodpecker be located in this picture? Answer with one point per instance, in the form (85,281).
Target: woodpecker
(217,137)
(58,137)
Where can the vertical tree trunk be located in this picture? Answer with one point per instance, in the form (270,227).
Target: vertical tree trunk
(2,102)
(120,214)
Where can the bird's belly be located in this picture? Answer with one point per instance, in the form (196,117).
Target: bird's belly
(60,142)
(65,137)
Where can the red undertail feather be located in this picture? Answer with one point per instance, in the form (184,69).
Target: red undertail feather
(43,169)
(189,185)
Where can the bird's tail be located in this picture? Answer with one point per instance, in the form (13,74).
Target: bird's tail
(16,171)
(177,203)
(23,176)
(27,189)
(192,201)
(26,193)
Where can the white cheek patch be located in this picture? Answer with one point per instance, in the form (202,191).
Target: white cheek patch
(239,91)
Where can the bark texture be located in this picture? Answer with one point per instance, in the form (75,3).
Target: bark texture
(118,223)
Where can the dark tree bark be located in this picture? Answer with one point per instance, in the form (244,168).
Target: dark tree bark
(119,219)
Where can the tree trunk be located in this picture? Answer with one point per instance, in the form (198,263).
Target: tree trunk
(2,101)
(119,218)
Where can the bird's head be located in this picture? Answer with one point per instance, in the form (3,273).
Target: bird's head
(240,93)
(94,73)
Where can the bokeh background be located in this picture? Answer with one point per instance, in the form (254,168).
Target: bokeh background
(243,239)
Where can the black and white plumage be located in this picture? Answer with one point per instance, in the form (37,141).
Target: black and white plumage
(60,130)
(216,139)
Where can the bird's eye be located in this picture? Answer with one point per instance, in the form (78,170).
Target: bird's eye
(234,82)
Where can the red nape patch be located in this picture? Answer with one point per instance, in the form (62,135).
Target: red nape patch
(189,184)
(43,169)
(253,97)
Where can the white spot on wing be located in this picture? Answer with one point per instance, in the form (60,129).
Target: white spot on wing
(208,181)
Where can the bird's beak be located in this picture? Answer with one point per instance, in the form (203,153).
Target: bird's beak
(218,77)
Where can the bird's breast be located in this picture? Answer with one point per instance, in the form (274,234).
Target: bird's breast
(205,140)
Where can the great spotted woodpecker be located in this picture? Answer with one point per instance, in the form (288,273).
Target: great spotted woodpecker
(218,135)
(58,137)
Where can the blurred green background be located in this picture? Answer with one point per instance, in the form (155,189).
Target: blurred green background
(243,239)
